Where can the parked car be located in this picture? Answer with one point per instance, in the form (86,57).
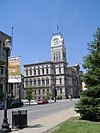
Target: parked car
(16,103)
(43,101)
(1,105)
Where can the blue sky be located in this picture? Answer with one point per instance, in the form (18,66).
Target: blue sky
(34,21)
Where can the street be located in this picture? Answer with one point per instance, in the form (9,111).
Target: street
(37,111)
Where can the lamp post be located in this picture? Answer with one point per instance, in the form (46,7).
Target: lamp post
(55,91)
(5,125)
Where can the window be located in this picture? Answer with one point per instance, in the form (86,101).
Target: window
(54,70)
(47,69)
(30,81)
(38,81)
(39,91)
(42,69)
(43,81)
(30,71)
(47,90)
(60,91)
(26,72)
(34,71)
(1,70)
(4,52)
(35,92)
(59,69)
(26,82)
(34,81)
(59,55)
(54,56)
(43,91)
(47,81)
(60,80)
(38,70)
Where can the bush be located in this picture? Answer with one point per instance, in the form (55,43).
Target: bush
(89,105)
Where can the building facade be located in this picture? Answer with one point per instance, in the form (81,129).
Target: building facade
(15,88)
(53,76)
(3,38)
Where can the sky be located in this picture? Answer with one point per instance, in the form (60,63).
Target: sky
(34,21)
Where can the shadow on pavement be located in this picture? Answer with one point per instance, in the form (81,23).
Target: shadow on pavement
(35,126)
(29,126)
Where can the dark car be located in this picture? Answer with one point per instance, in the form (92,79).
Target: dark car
(1,105)
(43,101)
(16,103)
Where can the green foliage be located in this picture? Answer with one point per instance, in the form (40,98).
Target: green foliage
(89,104)
(48,95)
(29,93)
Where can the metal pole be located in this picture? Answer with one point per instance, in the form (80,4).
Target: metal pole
(55,92)
(5,125)
(19,91)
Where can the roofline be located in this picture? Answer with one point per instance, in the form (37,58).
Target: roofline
(45,62)
(5,34)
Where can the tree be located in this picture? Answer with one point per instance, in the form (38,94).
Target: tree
(30,93)
(89,104)
(48,95)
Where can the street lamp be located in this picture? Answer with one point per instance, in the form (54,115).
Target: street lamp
(54,89)
(5,125)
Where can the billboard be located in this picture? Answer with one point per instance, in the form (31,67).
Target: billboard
(14,74)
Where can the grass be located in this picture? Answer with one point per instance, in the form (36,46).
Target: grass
(76,125)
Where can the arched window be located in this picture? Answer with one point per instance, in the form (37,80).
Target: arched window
(39,92)
(60,91)
(59,69)
(43,81)
(34,81)
(39,81)
(59,55)
(54,70)
(26,82)
(60,80)
(34,71)
(30,71)
(30,81)
(38,70)
(26,72)
(54,56)
(47,81)
(43,91)
(47,70)
(42,69)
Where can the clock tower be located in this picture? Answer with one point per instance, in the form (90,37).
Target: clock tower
(58,50)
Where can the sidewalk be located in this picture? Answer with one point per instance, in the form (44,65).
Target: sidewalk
(45,123)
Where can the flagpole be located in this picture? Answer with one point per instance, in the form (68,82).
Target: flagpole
(57,28)
(12,36)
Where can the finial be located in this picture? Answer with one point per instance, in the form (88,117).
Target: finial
(57,28)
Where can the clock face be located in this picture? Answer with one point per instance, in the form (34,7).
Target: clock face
(55,40)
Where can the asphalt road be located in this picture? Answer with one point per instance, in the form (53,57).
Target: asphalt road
(37,111)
